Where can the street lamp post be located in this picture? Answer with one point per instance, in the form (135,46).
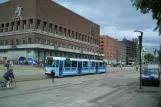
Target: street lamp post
(140,45)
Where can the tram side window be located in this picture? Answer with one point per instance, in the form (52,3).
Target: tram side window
(67,63)
(74,63)
(85,64)
(100,64)
(57,63)
(93,64)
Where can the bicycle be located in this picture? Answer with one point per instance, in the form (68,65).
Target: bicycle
(3,84)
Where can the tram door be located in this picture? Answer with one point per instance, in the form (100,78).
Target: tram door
(79,68)
(96,67)
(61,69)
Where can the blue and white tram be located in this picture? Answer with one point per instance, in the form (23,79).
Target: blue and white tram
(97,66)
(73,66)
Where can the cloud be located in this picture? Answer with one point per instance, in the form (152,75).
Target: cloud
(117,18)
(1,1)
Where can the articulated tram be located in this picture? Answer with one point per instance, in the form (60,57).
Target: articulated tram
(73,66)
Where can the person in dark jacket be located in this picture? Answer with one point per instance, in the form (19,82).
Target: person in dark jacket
(52,75)
(8,76)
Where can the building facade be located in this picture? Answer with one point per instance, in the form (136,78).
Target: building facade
(108,46)
(131,50)
(120,51)
(40,28)
(138,49)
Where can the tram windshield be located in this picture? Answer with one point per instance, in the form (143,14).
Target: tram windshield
(50,62)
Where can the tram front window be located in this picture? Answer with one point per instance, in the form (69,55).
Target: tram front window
(50,63)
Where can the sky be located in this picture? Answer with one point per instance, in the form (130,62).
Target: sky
(117,18)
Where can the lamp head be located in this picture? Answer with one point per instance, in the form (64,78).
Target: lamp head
(138,31)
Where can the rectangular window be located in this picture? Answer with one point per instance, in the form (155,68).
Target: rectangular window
(90,39)
(12,26)
(29,40)
(23,41)
(69,33)
(55,29)
(1,42)
(11,42)
(85,64)
(79,36)
(72,47)
(50,53)
(100,64)
(6,42)
(85,39)
(38,24)
(30,23)
(24,25)
(74,63)
(18,25)
(2,27)
(17,41)
(69,46)
(60,30)
(50,28)
(44,27)
(37,40)
(82,37)
(65,32)
(44,42)
(50,62)
(57,63)
(67,63)
(72,34)
(7,27)
(93,64)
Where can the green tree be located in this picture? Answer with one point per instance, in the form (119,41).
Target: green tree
(159,56)
(127,60)
(149,57)
(154,6)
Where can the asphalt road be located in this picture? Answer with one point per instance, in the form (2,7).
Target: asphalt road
(113,89)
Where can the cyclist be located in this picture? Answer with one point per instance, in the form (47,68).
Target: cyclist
(8,76)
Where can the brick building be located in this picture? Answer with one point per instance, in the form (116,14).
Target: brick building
(108,46)
(121,51)
(40,28)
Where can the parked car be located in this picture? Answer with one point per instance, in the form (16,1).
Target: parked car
(150,75)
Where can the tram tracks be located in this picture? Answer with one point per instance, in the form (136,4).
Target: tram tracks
(39,90)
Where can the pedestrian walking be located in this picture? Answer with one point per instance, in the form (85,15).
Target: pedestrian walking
(137,68)
(8,65)
(11,64)
(52,76)
(21,62)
